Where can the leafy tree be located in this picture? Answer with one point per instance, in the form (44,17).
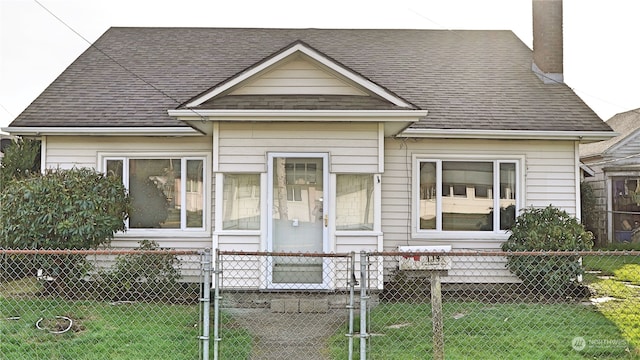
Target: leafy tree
(63,209)
(547,229)
(588,202)
(21,159)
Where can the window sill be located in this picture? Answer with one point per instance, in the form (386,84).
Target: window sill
(461,235)
(164,233)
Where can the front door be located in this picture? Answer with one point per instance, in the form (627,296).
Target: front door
(298,219)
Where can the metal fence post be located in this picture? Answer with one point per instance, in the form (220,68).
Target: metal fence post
(364,259)
(206,302)
(216,307)
(352,287)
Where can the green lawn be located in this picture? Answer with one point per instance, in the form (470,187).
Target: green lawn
(618,277)
(475,330)
(100,331)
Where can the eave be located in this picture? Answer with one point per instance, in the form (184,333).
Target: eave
(582,136)
(395,120)
(103,131)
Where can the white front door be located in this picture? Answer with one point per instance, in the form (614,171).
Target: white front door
(297,219)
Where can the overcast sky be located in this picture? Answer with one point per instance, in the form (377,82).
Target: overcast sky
(39,39)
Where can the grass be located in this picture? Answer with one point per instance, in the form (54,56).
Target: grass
(100,330)
(618,277)
(475,330)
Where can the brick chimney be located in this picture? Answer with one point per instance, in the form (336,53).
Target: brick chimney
(547,40)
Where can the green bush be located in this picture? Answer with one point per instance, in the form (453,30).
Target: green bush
(63,209)
(21,159)
(547,229)
(142,275)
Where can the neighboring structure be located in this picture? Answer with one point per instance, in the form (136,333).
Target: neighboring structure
(322,140)
(615,164)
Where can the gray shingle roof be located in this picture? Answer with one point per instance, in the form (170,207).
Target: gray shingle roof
(465,79)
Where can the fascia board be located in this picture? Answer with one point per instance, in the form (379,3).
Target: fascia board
(300,115)
(370,86)
(104,131)
(508,134)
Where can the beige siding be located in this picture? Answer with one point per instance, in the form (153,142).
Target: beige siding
(243,147)
(66,152)
(299,76)
(549,178)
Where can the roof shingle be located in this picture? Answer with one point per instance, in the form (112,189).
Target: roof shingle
(466,79)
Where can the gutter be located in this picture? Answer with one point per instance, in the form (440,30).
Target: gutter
(103,131)
(582,136)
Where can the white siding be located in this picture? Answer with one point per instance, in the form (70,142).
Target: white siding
(549,178)
(353,148)
(298,76)
(66,152)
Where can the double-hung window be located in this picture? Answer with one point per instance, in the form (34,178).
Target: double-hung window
(165,192)
(466,195)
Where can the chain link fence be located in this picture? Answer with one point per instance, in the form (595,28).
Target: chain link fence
(501,305)
(102,304)
(422,305)
(154,304)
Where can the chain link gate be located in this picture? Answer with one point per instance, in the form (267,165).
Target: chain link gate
(271,305)
(102,304)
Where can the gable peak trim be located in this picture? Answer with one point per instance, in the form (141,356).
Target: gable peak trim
(294,49)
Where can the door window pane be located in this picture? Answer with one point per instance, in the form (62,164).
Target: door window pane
(241,202)
(297,215)
(354,202)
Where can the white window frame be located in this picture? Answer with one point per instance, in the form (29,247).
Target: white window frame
(204,230)
(438,233)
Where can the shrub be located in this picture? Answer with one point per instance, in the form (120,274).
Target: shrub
(143,275)
(547,229)
(21,159)
(64,209)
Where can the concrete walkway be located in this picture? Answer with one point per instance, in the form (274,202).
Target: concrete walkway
(294,336)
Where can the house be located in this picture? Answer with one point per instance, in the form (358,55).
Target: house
(322,140)
(616,180)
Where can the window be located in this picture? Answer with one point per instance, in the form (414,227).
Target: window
(241,202)
(625,206)
(457,195)
(166,193)
(354,202)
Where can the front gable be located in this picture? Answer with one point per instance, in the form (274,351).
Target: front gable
(299,84)
(298,70)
